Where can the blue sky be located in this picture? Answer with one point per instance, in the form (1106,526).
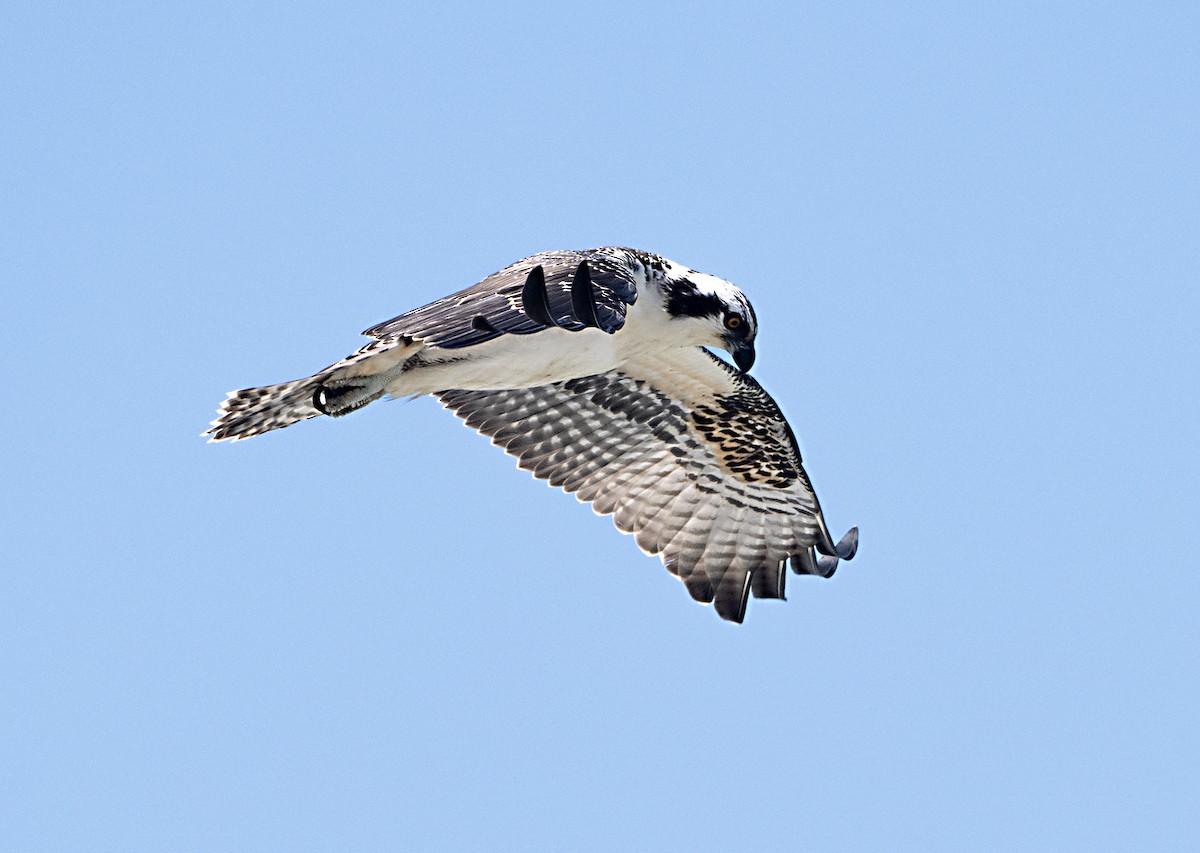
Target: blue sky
(970,234)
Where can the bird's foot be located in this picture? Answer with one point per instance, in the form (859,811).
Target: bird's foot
(337,397)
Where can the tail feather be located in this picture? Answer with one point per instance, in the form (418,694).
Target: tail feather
(253,411)
(337,390)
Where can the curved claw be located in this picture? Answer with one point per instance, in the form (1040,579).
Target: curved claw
(843,550)
(848,545)
(534,300)
(826,566)
(583,298)
(481,323)
(808,563)
(805,563)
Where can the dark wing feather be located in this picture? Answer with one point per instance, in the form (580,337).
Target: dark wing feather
(688,455)
(495,307)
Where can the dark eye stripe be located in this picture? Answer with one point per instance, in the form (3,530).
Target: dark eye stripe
(685,300)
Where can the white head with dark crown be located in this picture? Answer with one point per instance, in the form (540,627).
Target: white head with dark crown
(716,310)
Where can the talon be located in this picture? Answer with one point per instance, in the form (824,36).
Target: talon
(534,299)
(342,396)
(583,298)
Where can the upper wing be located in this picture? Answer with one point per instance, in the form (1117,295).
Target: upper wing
(572,290)
(692,457)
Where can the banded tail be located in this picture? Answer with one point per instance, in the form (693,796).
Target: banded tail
(253,411)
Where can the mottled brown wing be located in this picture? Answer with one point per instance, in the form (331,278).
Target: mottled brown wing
(685,453)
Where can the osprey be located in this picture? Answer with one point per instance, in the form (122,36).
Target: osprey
(591,368)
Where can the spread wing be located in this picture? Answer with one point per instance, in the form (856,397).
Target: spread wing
(691,457)
(571,290)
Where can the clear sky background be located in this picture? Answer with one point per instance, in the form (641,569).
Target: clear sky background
(971,235)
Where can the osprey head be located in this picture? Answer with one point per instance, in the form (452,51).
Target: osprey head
(718,312)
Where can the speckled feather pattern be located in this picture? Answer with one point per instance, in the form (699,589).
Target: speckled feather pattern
(589,366)
(693,459)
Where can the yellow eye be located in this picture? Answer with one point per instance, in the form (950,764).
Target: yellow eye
(733,321)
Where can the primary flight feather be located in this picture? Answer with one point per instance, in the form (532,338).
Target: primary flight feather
(590,367)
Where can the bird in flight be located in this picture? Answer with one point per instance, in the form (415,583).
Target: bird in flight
(591,368)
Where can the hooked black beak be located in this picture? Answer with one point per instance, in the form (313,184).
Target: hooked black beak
(743,355)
